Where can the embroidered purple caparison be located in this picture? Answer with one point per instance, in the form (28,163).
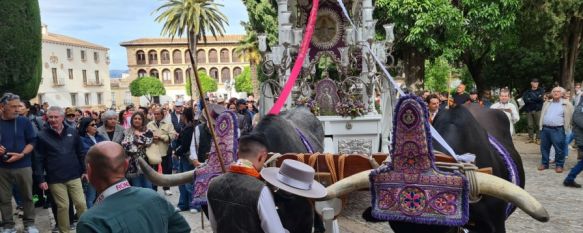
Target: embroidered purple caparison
(226,131)
(411,188)
(305,141)
(510,166)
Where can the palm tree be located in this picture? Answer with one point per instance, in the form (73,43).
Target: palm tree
(249,51)
(195,18)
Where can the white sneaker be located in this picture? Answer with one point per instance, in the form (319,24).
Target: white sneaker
(177,209)
(168,192)
(31,229)
(194,211)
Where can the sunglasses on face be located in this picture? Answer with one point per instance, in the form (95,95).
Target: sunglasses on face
(92,125)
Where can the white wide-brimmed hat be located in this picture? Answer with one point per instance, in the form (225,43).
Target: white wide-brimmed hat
(294,177)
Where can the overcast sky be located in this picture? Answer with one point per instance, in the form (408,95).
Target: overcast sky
(110,22)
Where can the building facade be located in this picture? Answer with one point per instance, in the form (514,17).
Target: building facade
(74,73)
(168,59)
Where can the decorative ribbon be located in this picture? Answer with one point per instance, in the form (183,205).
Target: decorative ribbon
(289,181)
(119,186)
(510,166)
(434,133)
(245,167)
(299,60)
(244,170)
(305,141)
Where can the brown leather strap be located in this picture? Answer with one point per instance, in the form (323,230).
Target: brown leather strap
(300,157)
(341,161)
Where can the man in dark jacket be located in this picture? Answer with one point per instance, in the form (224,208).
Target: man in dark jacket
(238,200)
(460,97)
(60,156)
(246,124)
(16,144)
(533,104)
(578,132)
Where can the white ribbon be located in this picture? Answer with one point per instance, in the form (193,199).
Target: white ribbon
(434,133)
(112,190)
(293,182)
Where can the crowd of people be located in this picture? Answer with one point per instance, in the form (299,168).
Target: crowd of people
(554,119)
(71,160)
(44,150)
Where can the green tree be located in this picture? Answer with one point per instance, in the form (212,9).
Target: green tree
(20,37)
(195,18)
(424,29)
(569,14)
(249,51)
(466,30)
(243,82)
(488,22)
(147,87)
(437,75)
(208,84)
(263,18)
(533,50)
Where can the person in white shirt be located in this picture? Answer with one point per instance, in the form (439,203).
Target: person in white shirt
(508,108)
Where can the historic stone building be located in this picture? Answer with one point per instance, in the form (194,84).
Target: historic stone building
(74,73)
(168,59)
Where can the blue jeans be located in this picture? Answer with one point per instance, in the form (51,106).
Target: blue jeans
(140,181)
(90,193)
(575,170)
(186,189)
(568,139)
(552,137)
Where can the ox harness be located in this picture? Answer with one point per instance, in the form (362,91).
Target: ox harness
(410,188)
(226,130)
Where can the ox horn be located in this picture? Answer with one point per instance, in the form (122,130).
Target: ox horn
(497,187)
(272,159)
(373,163)
(165,180)
(348,185)
(488,184)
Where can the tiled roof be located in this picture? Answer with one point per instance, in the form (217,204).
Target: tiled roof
(210,39)
(61,39)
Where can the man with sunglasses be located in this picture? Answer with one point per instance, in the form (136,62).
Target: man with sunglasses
(17,138)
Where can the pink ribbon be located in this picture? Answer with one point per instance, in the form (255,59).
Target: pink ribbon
(299,61)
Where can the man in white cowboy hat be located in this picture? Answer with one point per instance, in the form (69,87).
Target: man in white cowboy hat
(240,202)
(294,187)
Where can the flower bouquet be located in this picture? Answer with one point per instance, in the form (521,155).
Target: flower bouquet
(352,108)
(309,103)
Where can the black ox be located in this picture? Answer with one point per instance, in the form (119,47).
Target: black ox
(466,130)
(283,136)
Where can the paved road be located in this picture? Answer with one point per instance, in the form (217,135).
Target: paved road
(565,205)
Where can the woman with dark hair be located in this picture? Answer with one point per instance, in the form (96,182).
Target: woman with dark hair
(183,153)
(232,107)
(97,118)
(89,137)
(121,118)
(137,139)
